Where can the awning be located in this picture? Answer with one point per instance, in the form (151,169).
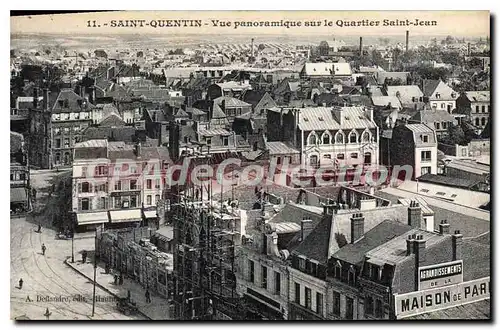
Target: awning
(92,218)
(125,215)
(18,194)
(150,214)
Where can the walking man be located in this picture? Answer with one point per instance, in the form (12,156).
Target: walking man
(116,279)
(21,284)
(148,297)
(84,256)
(43,249)
(121,279)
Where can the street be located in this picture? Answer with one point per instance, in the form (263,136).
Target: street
(47,281)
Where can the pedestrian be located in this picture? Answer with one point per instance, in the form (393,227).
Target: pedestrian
(84,256)
(21,283)
(106,268)
(39,228)
(116,279)
(47,314)
(148,297)
(121,279)
(43,249)
(33,192)
(129,296)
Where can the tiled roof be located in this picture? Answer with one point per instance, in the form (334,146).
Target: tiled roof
(92,144)
(231,102)
(380,234)
(217,112)
(383,101)
(233,85)
(112,120)
(383,75)
(73,101)
(478,96)
(322,118)
(429,86)
(124,133)
(432,116)
(406,93)
(214,132)
(280,148)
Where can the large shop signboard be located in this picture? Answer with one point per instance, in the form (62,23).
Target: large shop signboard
(444,274)
(430,300)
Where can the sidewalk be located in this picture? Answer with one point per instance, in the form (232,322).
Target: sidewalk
(158,309)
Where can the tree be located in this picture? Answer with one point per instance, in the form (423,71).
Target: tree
(261,47)
(455,135)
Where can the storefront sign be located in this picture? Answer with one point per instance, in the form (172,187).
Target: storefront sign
(444,274)
(426,301)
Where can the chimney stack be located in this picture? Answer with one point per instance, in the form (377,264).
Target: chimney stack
(409,245)
(407,40)
(253,54)
(456,241)
(360,47)
(419,250)
(468,49)
(414,215)
(357,227)
(306,226)
(35,98)
(444,227)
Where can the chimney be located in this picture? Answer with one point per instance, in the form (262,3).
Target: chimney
(35,98)
(468,49)
(82,91)
(223,105)
(444,227)
(253,53)
(138,150)
(306,226)
(456,241)
(409,245)
(360,46)
(92,94)
(337,113)
(46,94)
(419,250)
(407,39)
(357,227)
(414,215)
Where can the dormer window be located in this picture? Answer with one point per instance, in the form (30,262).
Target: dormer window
(351,276)
(337,271)
(438,96)
(313,140)
(353,137)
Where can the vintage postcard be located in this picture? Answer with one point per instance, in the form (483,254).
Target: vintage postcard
(250,165)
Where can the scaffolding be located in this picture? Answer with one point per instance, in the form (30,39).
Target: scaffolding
(204,256)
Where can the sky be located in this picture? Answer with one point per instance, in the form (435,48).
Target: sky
(455,23)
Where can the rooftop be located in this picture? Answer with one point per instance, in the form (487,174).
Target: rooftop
(323,118)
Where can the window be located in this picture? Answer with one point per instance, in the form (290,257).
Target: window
(11,177)
(337,272)
(101,170)
(336,303)
(209,141)
(444,125)
(327,156)
(425,156)
(483,121)
(264,277)
(297,293)
(442,105)
(102,202)
(148,200)
(487,108)
(326,139)
(353,137)
(319,303)
(302,264)
(339,138)
(368,305)
(351,276)
(379,311)
(225,141)
(118,185)
(66,142)
(354,155)
(149,183)
(438,96)
(477,108)
(157,199)
(340,156)
(85,205)
(438,126)
(85,187)
(477,121)
(58,143)
(157,184)
(252,270)
(133,201)
(440,193)
(366,137)
(425,169)
(118,202)
(277,283)
(349,310)
(308,297)
(483,108)
(312,139)
(133,184)
(58,158)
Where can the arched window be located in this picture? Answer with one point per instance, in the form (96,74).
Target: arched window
(353,137)
(326,138)
(366,136)
(339,137)
(483,121)
(338,270)
(477,121)
(313,139)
